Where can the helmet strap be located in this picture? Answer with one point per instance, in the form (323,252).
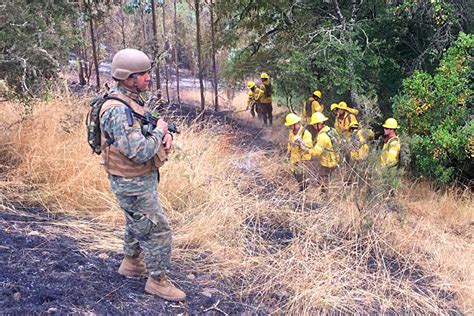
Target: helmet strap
(135,85)
(131,89)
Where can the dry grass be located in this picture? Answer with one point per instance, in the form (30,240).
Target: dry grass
(238,213)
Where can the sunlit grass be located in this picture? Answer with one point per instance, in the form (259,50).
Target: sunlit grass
(226,201)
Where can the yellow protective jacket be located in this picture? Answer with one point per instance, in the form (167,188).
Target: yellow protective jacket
(359,144)
(342,125)
(352,111)
(255,95)
(294,147)
(262,96)
(324,150)
(315,107)
(390,153)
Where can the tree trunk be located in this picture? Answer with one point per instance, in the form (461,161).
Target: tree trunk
(83,52)
(155,47)
(165,36)
(142,17)
(75,24)
(122,25)
(94,50)
(175,23)
(214,66)
(82,77)
(198,44)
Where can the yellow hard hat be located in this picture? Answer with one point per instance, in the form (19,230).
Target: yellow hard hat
(334,106)
(391,123)
(250,84)
(317,117)
(318,93)
(264,75)
(342,105)
(291,119)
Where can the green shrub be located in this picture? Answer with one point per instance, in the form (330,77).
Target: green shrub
(437,111)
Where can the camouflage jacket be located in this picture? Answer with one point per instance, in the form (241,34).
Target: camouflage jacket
(130,141)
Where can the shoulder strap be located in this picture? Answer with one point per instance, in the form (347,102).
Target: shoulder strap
(348,117)
(303,130)
(393,139)
(332,138)
(131,113)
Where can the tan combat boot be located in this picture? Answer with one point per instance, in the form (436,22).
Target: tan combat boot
(132,267)
(163,288)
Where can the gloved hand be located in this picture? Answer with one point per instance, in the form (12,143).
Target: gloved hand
(301,143)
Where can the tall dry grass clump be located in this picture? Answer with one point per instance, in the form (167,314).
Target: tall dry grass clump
(54,156)
(236,213)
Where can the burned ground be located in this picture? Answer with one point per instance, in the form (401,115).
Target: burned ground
(43,273)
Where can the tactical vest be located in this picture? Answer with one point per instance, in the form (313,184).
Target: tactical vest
(114,161)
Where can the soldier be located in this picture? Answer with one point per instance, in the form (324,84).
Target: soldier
(265,99)
(324,150)
(131,160)
(299,143)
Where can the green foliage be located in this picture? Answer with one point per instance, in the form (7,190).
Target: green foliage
(361,49)
(288,70)
(437,110)
(36,40)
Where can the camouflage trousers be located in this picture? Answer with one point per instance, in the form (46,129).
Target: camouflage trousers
(146,227)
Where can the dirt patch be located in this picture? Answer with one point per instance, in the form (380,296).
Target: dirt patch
(54,274)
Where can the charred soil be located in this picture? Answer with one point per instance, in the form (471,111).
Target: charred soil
(43,273)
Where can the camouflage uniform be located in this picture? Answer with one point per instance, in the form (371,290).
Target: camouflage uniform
(146,227)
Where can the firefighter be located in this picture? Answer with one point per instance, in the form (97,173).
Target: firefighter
(312,105)
(359,150)
(344,117)
(360,138)
(299,144)
(252,98)
(325,158)
(265,99)
(390,155)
